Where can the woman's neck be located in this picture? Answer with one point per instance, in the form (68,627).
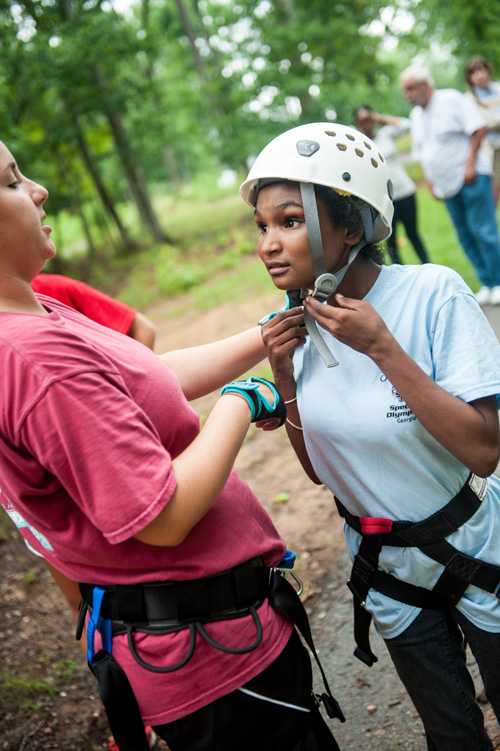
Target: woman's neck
(360,278)
(17,296)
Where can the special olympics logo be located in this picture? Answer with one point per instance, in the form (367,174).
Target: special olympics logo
(397,394)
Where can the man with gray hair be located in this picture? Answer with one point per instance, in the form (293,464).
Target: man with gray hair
(447,130)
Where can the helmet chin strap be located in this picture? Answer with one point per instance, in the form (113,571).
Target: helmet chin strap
(325,283)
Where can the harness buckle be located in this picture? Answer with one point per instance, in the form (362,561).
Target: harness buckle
(479,485)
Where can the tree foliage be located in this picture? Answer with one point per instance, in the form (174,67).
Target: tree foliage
(101,104)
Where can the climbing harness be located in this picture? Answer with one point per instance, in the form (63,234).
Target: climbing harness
(173,606)
(429,536)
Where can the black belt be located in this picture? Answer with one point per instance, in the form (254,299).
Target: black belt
(183,602)
(460,569)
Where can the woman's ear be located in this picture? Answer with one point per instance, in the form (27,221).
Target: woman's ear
(352,238)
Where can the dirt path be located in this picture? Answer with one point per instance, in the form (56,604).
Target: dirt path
(45,689)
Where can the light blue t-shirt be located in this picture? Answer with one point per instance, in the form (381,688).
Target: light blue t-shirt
(368,447)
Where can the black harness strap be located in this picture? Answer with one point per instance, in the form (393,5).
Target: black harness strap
(362,577)
(433,529)
(120,703)
(460,569)
(164,607)
(285,600)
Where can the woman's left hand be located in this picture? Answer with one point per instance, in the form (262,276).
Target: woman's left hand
(353,322)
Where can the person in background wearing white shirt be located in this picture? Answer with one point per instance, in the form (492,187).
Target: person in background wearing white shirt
(403,187)
(447,130)
(487,95)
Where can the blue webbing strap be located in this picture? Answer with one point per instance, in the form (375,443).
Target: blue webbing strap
(103,625)
(114,688)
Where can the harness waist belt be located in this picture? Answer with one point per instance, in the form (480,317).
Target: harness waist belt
(185,601)
(460,569)
(433,529)
(160,607)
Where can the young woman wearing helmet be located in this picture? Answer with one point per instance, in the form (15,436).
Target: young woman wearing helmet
(391,404)
(104,469)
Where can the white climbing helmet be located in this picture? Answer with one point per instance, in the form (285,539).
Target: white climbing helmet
(336,156)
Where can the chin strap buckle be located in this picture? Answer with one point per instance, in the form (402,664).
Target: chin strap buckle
(324,286)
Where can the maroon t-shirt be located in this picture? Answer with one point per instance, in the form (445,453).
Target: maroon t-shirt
(87,300)
(90,421)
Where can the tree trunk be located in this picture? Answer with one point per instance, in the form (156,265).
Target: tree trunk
(171,165)
(286,7)
(145,8)
(135,178)
(91,246)
(188,29)
(101,189)
(100,220)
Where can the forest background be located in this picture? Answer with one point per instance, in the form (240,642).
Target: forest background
(140,116)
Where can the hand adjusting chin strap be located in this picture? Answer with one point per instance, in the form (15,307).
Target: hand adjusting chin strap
(325,283)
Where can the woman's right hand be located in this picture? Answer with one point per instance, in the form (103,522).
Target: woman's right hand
(281,335)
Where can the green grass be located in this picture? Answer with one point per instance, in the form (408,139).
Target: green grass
(31,576)
(24,690)
(439,237)
(210,237)
(65,669)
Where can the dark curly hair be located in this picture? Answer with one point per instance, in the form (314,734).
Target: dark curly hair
(344,213)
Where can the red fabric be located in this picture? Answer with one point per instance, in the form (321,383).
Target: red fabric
(87,300)
(375,525)
(90,422)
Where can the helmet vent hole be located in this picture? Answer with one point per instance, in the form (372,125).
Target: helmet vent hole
(374,162)
(367,145)
(330,133)
(350,137)
(359,152)
(341,146)
(380,157)
(346,176)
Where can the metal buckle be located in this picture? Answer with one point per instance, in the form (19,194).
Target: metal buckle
(479,485)
(324,286)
